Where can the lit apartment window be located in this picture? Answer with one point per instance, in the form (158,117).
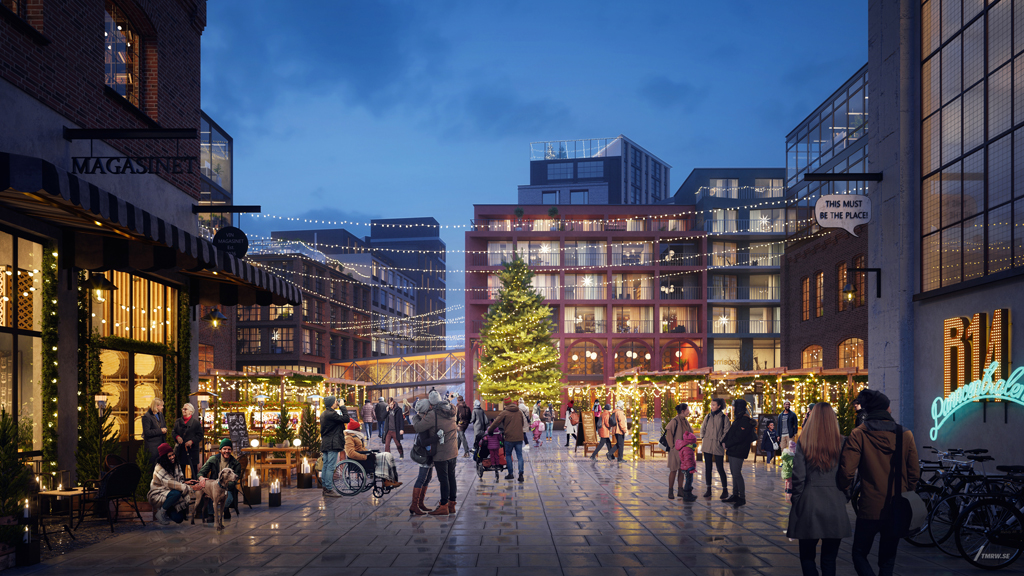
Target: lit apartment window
(805,297)
(811,357)
(860,282)
(121,54)
(840,284)
(725,187)
(819,294)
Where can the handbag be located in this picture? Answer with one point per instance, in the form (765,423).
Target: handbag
(906,509)
(425,446)
(574,418)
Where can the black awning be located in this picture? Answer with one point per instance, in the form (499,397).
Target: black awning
(117,235)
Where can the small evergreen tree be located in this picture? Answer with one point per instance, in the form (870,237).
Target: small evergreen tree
(309,433)
(844,410)
(14,477)
(519,359)
(142,461)
(284,433)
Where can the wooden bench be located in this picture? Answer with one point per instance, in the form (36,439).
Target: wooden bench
(587,447)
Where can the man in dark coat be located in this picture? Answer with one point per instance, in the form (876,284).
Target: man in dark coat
(787,426)
(870,450)
(511,421)
(380,411)
(462,417)
(736,442)
(332,441)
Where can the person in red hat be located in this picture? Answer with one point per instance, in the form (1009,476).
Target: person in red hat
(381,464)
(168,492)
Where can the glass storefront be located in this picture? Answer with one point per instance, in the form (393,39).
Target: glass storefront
(138,309)
(130,382)
(21,283)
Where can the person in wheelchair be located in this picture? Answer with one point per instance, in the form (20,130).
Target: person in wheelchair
(379,464)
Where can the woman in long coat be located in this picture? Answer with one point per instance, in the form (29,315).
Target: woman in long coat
(819,507)
(188,432)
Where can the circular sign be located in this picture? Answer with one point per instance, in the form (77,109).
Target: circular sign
(232,240)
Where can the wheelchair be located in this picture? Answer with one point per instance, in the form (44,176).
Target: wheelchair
(350,479)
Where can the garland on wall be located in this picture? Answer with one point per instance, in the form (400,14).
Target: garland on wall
(49,375)
(178,396)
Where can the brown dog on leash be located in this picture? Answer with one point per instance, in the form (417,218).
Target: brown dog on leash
(218,493)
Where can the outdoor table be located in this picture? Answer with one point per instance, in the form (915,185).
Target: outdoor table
(265,451)
(55,494)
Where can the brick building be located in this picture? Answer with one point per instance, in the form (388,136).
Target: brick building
(820,328)
(104,209)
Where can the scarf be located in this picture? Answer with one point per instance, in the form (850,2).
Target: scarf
(185,419)
(879,415)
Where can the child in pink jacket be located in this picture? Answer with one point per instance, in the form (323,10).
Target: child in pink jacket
(687,448)
(538,428)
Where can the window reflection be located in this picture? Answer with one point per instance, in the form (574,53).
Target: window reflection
(121,54)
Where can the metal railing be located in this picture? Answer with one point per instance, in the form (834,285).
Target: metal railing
(638,259)
(573,258)
(634,327)
(543,259)
(670,257)
(759,225)
(586,292)
(672,292)
(743,293)
(632,293)
(585,326)
(718,326)
(645,224)
(746,259)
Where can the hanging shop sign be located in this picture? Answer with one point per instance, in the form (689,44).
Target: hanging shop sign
(232,240)
(846,211)
(135,165)
(976,365)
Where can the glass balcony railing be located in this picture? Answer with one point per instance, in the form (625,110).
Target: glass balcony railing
(585,259)
(745,259)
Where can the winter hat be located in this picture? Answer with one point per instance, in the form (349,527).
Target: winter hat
(620,405)
(329,401)
(421,406)
(872,400)
(740,406)
(226,442)
(353,424)
(507,401)
(536,417)
(476,403)
(434,398)
(163,449)
(607,406)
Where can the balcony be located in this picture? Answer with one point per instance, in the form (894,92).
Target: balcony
(642,293)
(547,292)
(543,259)
(731,326)
(672,292)
(634,327)
(637,259)
(646,224)
(671,257)
(743,293)
(585,259)
(585,292)
(746,259)
(586,327)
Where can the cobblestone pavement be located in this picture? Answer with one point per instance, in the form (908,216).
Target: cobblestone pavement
(571,516)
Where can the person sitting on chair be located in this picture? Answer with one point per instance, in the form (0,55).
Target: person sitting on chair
(168,492)
(212,468)
(355,449)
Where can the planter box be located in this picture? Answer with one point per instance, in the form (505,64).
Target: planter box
(27,554)
(253,495)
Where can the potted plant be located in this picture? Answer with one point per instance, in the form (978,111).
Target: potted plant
(553,214)
(519,218)
(14,488)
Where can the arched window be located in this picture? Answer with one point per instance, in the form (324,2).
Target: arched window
(121,54)
(586,359)
(632,354)
(851,353)
(811,357)
(680,355)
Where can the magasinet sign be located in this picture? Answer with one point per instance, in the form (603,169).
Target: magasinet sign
(136,165)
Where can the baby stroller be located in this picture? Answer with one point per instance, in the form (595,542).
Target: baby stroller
(490,453)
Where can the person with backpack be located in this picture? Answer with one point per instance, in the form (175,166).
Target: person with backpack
(737,442)
(712,431)
(548,418)
(877,449)
(819,506)
(618,428)
(604,431)
(462,417)
(572,423)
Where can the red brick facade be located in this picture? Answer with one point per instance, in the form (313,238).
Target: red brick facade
(56,55)
(804,259)
(221,338)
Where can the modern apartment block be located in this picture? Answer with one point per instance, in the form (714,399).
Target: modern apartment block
(743,213)
(596,171)
(625,283)
(333,323)
(393,293)
(821,328)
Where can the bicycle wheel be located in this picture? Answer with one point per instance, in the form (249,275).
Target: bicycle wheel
(349,478)
(990,534)
(941,522)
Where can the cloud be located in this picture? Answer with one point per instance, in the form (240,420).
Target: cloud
(666,93)
(497,110)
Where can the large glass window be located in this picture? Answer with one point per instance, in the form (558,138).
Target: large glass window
(585,253)
(972,221)
(579,196)
(805,298)
(764,320)
(585,320)
(723,320)
(723,254)
(631,287)
(590,170)
(121,54)
(282,340)
(819,294)
(860,281)
(632,354)
(634,319)
(543,253)
(767,354)
(586,359)
(632,253)
(679,287)
(549,197)
(560,171)
(722,287)
(131,382)
(139,309)
(769,188)
(215,150)
(282,312)
(585,287)
(250,341)
(546,285)
(726,355)
(679,319)
(679,355)
(725,188)
(764,287)
(851,353)
(811,357)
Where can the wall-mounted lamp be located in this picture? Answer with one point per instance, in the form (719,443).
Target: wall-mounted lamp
(214,317)
(98,283)
(878,280)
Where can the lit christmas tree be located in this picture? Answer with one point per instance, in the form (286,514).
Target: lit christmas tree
(519,360)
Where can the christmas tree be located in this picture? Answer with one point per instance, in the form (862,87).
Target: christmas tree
(519,360)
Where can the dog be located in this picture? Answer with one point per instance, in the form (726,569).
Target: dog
(218,493)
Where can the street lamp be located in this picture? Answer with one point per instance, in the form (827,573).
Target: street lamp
(878,279)
(98,283)
(214,317)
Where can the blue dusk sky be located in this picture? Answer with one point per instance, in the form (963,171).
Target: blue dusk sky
(375,109)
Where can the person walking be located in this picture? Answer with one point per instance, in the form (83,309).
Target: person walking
(479,420)
(419,490)
(332,441)
(737,447)
(712,432)
(604,432)
(679,430)
(510,420)
(548,418)
(380,413)
(368,419)
(572,423)
(463,416)
(770,442)
(188,432)
(443,425)
(819,506)
(787,424)
(394,427)
(871,451)
(154,429)
(618,428)
(538,429)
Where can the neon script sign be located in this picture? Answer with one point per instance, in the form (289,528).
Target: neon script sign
(1009,390)
(976,365)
